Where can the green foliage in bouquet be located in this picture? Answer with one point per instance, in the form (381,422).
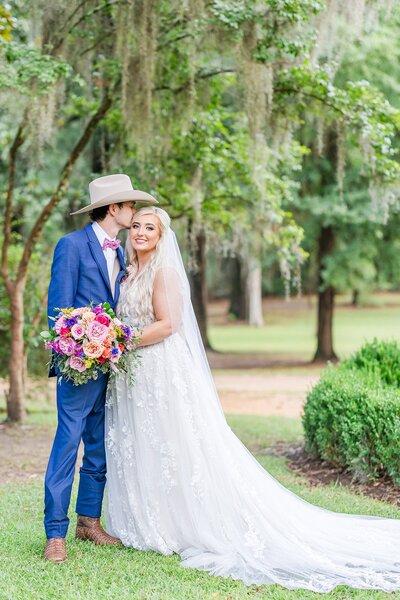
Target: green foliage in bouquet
(352,416)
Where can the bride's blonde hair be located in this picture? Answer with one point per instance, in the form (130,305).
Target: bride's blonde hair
(145,280)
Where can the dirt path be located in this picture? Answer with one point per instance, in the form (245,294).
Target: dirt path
(264,393)
(24,449)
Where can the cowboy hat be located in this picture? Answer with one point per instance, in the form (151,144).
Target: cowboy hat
(112,189)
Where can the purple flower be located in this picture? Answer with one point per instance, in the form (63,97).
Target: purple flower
(97,310)
(127,331)
(115,351)
(70,322)
(56,347)
(67,346)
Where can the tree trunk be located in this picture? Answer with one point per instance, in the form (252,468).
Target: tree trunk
(355,300)
(254,292)
(237,304)
(16,394)
(199,286)
(16,287)
(326,300)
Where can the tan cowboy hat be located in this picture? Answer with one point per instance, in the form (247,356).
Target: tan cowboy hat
(113,189)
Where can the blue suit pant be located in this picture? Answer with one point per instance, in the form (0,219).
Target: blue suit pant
(81,411)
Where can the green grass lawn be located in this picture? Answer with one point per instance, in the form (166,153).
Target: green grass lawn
(121,573)
(290,334)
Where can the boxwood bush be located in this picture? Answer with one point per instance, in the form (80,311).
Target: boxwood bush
(352,415)
(379,357)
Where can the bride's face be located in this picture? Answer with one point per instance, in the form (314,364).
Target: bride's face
(145,232)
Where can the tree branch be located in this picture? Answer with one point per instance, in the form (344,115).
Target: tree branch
(97,43)
(63,34)
(299,92)
(62,184)
(200,75)
(18,141)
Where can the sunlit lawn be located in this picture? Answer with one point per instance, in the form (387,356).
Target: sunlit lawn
(121,573)
(290,333)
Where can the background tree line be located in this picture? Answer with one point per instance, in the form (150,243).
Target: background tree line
(252,121)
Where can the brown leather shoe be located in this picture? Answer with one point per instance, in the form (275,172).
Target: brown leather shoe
(89,528)
(55,550)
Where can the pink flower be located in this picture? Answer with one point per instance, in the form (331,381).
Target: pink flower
(93,349)
(59,323)
(64,331)
(97,332)
(67,346)
(55,345)
(77,331)
(103,319)
(76,363)
(88,316)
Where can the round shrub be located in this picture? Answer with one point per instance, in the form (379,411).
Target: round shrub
(352,415)
(379,357)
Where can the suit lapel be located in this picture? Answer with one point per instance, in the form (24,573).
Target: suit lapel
(120,274)
(97,254)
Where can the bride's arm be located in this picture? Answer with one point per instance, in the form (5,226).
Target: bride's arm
(166,307)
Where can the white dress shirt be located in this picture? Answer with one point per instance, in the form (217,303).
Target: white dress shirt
(109,254)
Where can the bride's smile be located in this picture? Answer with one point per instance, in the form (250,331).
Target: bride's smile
(145,233)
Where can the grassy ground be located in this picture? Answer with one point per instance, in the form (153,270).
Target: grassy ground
(121,573)
(289,331)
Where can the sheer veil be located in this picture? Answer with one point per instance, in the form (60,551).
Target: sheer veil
(183,319)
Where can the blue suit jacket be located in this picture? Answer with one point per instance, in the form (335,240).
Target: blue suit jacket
(79,274)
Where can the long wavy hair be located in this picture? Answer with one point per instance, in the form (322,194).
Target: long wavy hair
(145,280)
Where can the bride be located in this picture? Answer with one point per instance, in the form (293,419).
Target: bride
(180,481)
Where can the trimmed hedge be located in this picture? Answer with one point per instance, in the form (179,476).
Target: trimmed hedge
(352,415)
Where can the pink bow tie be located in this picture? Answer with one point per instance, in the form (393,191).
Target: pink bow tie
(113,244)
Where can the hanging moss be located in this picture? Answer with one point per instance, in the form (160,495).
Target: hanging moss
(41,115)
(340,154)
(137,24)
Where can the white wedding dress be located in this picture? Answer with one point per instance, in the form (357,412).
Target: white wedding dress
(180,481)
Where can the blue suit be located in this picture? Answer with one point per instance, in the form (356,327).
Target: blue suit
(79,276)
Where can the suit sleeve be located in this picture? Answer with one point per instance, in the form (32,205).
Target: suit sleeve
(64,277)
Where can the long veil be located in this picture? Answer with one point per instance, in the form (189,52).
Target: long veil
(310,547)
(182,315)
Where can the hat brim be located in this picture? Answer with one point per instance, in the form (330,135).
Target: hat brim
(117,198)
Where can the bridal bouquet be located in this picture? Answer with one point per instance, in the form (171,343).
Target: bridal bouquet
(90,339)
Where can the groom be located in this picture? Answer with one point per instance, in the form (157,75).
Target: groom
(87,267)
